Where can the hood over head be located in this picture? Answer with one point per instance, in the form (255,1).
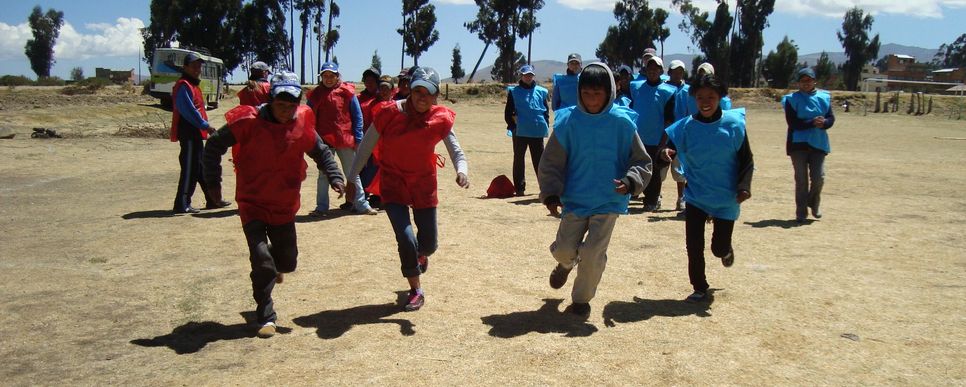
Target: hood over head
(607,78)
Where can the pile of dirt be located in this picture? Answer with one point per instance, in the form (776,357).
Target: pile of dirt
(27,98)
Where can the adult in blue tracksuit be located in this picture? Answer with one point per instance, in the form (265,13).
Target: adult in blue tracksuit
(648,54)
(594,161)
(527,117)
(565,85)
(649,100)
(808,113)
(713,146)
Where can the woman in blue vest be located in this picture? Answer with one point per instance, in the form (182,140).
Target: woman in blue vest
(527,118)
(649,98)
(713,147)
(565,85)
(808,113)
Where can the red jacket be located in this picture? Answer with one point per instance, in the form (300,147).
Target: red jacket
(254,97)
(269,163)
(197,99)
(408,160)
(332,119)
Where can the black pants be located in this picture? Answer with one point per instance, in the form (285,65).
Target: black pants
(520,145)
(695,219)
(192,147)
(272,250)
(652,192)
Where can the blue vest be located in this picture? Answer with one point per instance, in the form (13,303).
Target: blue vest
(681,101)
(808,107)
(530,105)
(566,86)
(709,155)
(725,104)
(649,102)
(598,150)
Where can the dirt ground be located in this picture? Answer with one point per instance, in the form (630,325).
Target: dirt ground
(102,286)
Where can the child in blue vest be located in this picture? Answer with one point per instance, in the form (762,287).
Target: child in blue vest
(594,161)
(649,98)
(527,117)
(808,113)
(713,148)
(565,85)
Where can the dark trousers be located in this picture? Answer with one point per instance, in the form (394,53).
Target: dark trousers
(520,145)
(652,192)
(272,249)
(192,147)
(808,165)
(412,245)
(695,219)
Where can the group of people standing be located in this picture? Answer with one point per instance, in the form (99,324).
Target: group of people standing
(612,136)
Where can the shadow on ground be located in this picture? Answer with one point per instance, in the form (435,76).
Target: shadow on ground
(193,336)
(783,223)
(331,324)
(150,214)
(547,319)
(643,309)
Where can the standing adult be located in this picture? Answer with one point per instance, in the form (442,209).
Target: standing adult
(402,85)
(189,127)
(649,99)
(565,85)
(256,90)
(808,113)
(527,116)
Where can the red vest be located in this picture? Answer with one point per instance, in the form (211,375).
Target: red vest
(197,99)
(332,119)
(408,160)
(254,97)
(269,163)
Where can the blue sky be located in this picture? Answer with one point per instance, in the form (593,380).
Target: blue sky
(103,33)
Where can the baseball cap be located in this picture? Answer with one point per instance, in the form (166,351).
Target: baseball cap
(677,64)
(286,82)
(370,72)
(192,57)
(425,77)
(648,52)
(624,69)
(261,66)
(806,72)
(386,80)
(708,68)
(656,60)
(403,74)
(330,67)
(573,57)
(526,69)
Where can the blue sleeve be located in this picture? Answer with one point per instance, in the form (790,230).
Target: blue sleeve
(187,109)
(355,111)
(791,118)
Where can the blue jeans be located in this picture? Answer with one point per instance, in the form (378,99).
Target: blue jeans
(359,202)
(412,245)
(808,165)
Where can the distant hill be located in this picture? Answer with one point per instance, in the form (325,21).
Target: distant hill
(838,57)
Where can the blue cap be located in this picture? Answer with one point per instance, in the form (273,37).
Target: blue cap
(526,69)
(425,77)
(286,82)
(806,72)
(192,57)
(329,66)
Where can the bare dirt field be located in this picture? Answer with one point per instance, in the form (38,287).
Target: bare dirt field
(101,285)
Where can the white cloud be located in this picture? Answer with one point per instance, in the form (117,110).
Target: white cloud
(589,5)
(123,38)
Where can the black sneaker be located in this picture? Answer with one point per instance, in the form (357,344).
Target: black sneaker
(580,308)
(414,301)
(187,210)
(729,259)
(696,297)
(816,212)
(558,277)
(423,263)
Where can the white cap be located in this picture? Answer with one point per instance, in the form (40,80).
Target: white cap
(677,64)
(286,82)
(707,68)
(655,59)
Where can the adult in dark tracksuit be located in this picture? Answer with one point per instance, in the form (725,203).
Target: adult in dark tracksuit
(269,144)
(527,116)
(649,98)
(189,127)
(808,113)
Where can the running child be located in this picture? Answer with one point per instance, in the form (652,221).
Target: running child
(594,161)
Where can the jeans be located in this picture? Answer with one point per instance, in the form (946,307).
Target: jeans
(520,145)
(272,249)
(359,202)
(694,221)
(412,245)
(808,165)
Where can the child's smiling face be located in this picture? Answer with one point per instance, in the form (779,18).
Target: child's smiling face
(707,100)
(593,99)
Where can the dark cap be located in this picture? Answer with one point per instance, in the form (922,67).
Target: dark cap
(573,57)
(371,72)
(806,72)
(192,57)
(425,77)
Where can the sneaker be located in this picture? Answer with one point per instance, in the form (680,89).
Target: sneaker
(266,330)
(729,259)
(366,211)
(558,277)
(187,210)
(816,212)
(799,219)
(318,214)
(680,206)
(345,206)
(651,207)
(217,205)
(423,263)
(580,308)
(696,297)
(414,301)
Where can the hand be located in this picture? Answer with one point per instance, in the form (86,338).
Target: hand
(620,187)
(742,196)
(462,180)
(667,154)
(553,205)
(819,122)
(210,130)
(341,188)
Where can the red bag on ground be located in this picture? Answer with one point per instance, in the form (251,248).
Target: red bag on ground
(501,187)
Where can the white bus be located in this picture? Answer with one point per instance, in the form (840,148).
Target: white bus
(166,69)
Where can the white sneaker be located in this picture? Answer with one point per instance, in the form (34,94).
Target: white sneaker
(267,330)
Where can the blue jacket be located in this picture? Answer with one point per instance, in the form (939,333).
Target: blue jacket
(806,107)
(564,91)
(530,107)
(649,102)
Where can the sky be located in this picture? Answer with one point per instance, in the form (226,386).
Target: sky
(104,33)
